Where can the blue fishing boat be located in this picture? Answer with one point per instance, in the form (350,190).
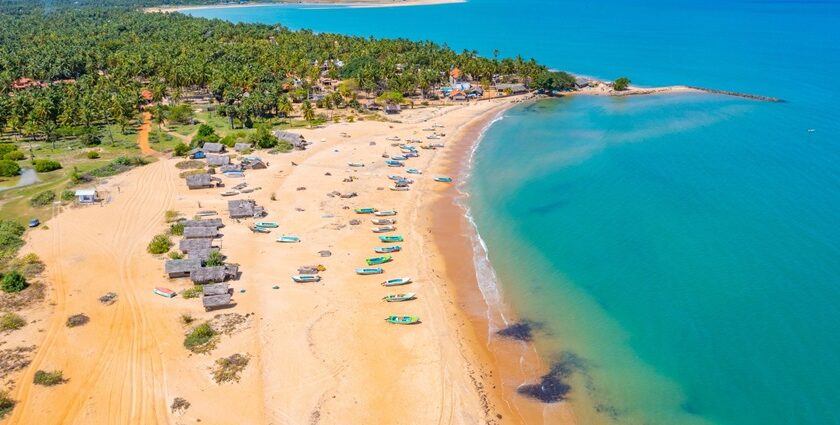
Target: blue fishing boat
(306,278)
(390,239)
(443,179)
(413,171)
(370,270)
(387,249)
(392,163)
(288,239)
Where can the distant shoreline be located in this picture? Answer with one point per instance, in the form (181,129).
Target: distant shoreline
(343,3)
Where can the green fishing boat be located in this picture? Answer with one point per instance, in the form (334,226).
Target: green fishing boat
(402,320)
(288,239)
(267,224)
(378,260)
(395,298)
(365,210)
(391,239)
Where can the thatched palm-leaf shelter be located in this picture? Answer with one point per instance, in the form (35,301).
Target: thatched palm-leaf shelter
(201,232)
(213,147)
(218,160)
(215,274)
(295,139)
(202,181)
(190,245)
(210,222)
(181,268)
(245,208)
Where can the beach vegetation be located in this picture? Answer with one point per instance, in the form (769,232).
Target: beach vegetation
(200,339)
(186,319)
(621,84)
(92,155)
(14,156)
(175,255)
(181,149)
(228,369)
(45,165)
(176,229)
(160,244)
(13,281)
(263,139)
(67,195)
(191,293)
(48,378)
(6,403)
(11,322)
(552,81)
(9,168)
(214,259)
(42,199)
(30,265)
(205,134)
(77,320)
(171,215)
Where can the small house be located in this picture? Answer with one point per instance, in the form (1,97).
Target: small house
(230,167)
(516,88)
(392,108)
(193,245)
(295,139)
(214,274)
(581,82)
(201,254)
(202,181)
(217,160)
(209,222)
(216,295)
(245,208)
(85,196)
(181,268)
(239,147)
(457,95)
(214,147)
(201,232)
(197,153)
(253,163)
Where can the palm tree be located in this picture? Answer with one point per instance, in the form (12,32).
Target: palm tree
(308,112)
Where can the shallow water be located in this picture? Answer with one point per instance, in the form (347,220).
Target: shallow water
(683,249)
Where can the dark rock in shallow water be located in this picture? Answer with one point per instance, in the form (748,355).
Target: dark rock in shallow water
(552,387)
(521,331)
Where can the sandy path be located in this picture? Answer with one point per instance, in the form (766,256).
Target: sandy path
(143,135)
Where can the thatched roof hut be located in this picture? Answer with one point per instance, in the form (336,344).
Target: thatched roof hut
(230,167)
(190,245)
(295,139)
(217,160)
(215,274)
(215,301)
(210,222)
(202,181)
(239,147)
(215,289)
(181,268)
(245,208)
(214,147)
(200,232)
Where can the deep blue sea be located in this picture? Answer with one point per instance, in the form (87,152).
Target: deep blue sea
(685,248)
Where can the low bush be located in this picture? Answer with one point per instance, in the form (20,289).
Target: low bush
(171,215)
(200,339)
(6,404)
(48,379)
(30,265)
(175,255)
(11,322)
(9,168)
(45,165)
(13,281)
(118,165)
(181,149)
(160,244)
(14,156)
(176,229)
(214,259)
(186,318)
(68,195)
(191,293)
(228,368)
(42,199)
(92,155)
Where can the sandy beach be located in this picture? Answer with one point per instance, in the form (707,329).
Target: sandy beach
(343,3)
(320,353)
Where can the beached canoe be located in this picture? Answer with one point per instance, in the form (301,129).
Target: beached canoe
(397,281)
(306,278)
(355,164)
(370,270)
(395,298)
(443,179)
(402,320)
(365,210)
(378,260)
(236,174)
(288,239)
(230,193)
(394,177)
(392,138)
(258,229)
(383,221)
(413,171)
(267,224)
(390,239)
(393,163)
(412,155)
(205,213)
(387,249)
(385,213)
(164,292)
(383,229)
(400,188)
(398,158)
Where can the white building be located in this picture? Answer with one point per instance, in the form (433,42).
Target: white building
(86,196)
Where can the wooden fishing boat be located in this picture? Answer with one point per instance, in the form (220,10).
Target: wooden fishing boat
(394,177)
(378,260)
(398,158)
(383,229)
(392,163)
(383,221)
(205,213)
(395,298)
(258,229)
(413,171)
(390,239)
(400,188)
(248,190)
(393,138)
(387,249)
(397,281)
(365,210)
(288,239)
(384,213)
(236,174)
(443,179)
(355,164)
(412,155)
(306,278)
(433,137)
(164,292)
(230,193)
(370,270)
(267,224)
(402,320)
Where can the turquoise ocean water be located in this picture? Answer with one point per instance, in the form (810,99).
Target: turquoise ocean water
(686,248)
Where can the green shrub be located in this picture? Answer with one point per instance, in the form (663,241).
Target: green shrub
(621,83)
(160,244)
(92,155)
(14,156)
(176,229)
(9,168)
(118,165)
(200,338)
(13,281)
(42,199)
(193,292)
(45,165)
(29,265)
(181,149)
(48,379)
(175,255)
(171,215)
(214,259)
(10,239)
(228,368)
(68,195)
(11,322)
(6,404)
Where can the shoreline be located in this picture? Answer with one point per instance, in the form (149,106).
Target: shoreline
(328,3)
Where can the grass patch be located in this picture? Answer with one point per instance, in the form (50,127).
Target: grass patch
(6,404)
(176,229)
(186,319)
(42,199)
(171,215)
(189,164)
(193,292)
(11,322)
(228,369)
(48,379)
(201,339)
